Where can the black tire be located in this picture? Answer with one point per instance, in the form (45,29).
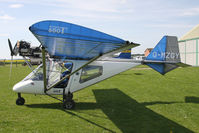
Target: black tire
(20,101)
(69,104)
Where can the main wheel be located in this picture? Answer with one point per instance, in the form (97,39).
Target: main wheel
(20,101)
(69,96)
(69,104)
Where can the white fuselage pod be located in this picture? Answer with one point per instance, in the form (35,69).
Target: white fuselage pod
(89,75)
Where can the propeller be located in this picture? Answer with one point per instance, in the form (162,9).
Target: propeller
(10,46)
(11,53)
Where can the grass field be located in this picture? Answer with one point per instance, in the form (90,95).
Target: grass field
(136,101)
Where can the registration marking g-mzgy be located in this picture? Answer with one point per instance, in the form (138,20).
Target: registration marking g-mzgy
(167,55)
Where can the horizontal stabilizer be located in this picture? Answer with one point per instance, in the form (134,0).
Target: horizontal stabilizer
(126,54)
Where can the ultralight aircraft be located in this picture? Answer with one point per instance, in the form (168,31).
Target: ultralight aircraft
(75,57)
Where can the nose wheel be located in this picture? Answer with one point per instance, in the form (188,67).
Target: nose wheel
(20,100)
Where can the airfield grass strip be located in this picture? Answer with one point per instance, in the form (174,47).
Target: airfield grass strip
(135,101)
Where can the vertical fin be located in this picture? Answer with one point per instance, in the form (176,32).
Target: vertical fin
(165,51)
(160,48)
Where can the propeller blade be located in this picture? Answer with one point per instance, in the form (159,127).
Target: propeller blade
(10,46)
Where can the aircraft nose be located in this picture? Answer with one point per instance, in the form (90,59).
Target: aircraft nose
(29,86)
(22,86)
(17,87)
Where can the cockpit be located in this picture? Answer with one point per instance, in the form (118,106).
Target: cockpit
(66,69)
(54,72)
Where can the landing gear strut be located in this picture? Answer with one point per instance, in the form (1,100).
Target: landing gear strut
(20,100)
(68,102)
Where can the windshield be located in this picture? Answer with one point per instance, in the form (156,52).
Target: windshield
(54,72)
(37,74)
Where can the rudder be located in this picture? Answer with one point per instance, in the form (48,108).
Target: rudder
(165,56)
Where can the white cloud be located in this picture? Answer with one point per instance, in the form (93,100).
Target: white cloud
(4,35)
(6,17)
(16,5)
(111,6)
(87,14)
(190,12)
(170,25)
(106,6)
(94,10)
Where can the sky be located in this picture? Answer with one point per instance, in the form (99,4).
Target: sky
(140,21)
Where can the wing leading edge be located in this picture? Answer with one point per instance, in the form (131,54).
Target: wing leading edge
(70,41)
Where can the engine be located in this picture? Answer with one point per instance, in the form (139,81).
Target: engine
(24,49)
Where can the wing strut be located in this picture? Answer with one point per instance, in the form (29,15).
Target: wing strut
(44,68)
(29,64)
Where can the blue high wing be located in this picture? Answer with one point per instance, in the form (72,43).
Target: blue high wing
(70,41)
